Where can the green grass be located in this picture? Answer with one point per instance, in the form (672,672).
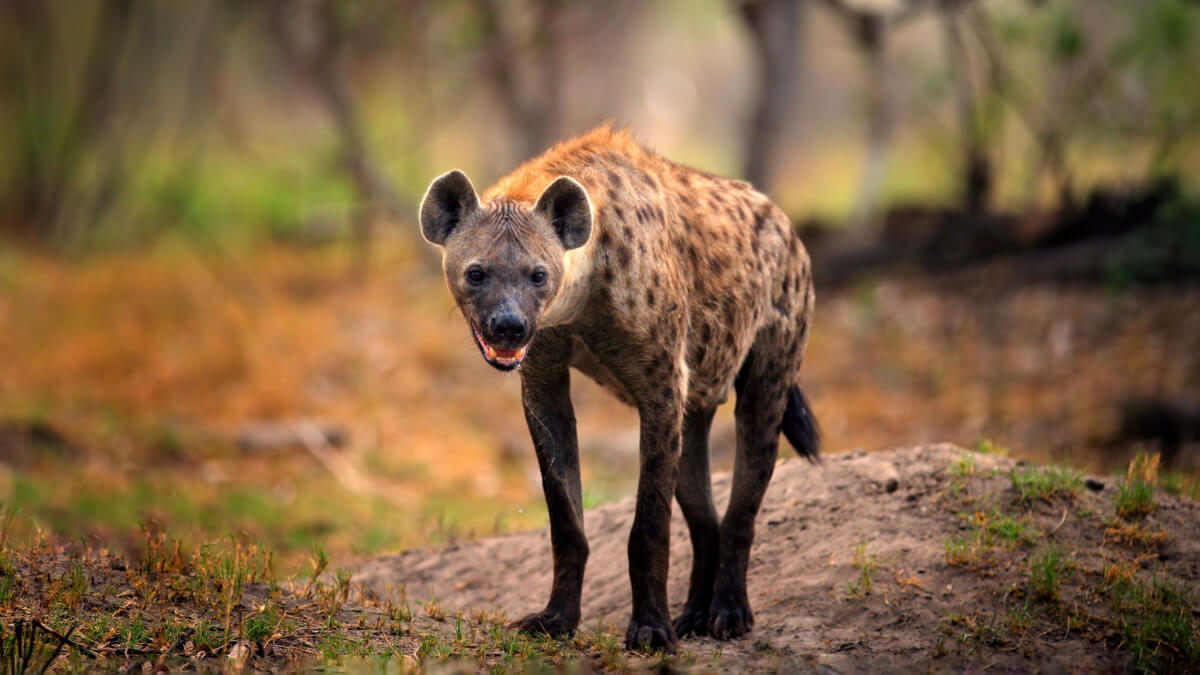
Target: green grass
(964,467)
(210,598)
(970,630)
(8,579)
(1044,483)
(1135,494)
(987,447)
(262,625)
(1134,499)
(1003,528)
(989,530)
(1047,570)
(1020,618)
(959,550)
(1180,484)
(866,564)
(1157,624)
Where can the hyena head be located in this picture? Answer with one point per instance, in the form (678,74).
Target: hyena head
(504,262)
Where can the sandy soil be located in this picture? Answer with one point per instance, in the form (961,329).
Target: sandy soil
(900,506)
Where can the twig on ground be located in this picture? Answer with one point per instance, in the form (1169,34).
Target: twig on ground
(1060,522)
(64,639)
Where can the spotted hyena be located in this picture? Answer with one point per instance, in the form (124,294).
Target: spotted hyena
(669,286)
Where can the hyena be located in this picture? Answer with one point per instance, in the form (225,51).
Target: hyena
(669,286)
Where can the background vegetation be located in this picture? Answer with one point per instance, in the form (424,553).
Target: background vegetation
(216,316)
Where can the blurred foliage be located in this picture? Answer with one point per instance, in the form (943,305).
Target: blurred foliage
(126,121)
(203,129)
(1167,250)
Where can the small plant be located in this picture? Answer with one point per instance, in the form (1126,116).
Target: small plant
(610,648)
(319,560)
(97,630)
(964,467)
(865,563)
(400,613)
(1010,531)
(334,646)
(987,447)
(433,609)
(1043,483)
(959,551)
(1135,495)
(1180,484)
(968,628)
(1020,618)
(207,637)
(1047,569)
(8,577)
(1134,534)
(134,633)
(261,626)
(1134,500)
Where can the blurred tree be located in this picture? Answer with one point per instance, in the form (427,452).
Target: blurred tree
(525,71)
(974,123)
(869,23)
(56,123)
(330,25)
(773,27)
(87,96)
(1070,71)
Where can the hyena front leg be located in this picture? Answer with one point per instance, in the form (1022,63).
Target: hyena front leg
(546,395)
(693,491)
(660,391)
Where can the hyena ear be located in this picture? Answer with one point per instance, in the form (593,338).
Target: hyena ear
(449,199)
(566,205)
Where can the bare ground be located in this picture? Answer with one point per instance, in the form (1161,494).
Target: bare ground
(850,570)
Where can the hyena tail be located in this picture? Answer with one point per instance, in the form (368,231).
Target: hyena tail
(800,426)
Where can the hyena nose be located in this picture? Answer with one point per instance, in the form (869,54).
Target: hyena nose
(509,328)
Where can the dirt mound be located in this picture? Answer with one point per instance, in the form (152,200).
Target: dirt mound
(920,554)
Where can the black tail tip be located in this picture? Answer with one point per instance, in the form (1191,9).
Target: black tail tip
(800,425)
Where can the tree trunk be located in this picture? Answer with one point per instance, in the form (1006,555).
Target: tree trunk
(323,67)
(976,187)
(871,37)
(773,26)
(532,109)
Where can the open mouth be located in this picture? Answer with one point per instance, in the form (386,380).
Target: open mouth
(503,359)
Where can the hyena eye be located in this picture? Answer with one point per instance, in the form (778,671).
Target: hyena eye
(475,276)
(538,278)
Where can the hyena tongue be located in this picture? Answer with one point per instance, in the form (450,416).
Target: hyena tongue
(511,354)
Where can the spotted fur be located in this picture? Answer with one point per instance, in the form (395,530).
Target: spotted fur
(689,286)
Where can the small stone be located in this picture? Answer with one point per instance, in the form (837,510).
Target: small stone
(891,486)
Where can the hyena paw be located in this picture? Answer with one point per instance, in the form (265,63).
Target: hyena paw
(651,635)
(729,616)
(693,621)
(546,623)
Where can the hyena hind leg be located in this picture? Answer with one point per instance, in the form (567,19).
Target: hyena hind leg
(762,393)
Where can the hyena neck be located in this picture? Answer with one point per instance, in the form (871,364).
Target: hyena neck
(568,304)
